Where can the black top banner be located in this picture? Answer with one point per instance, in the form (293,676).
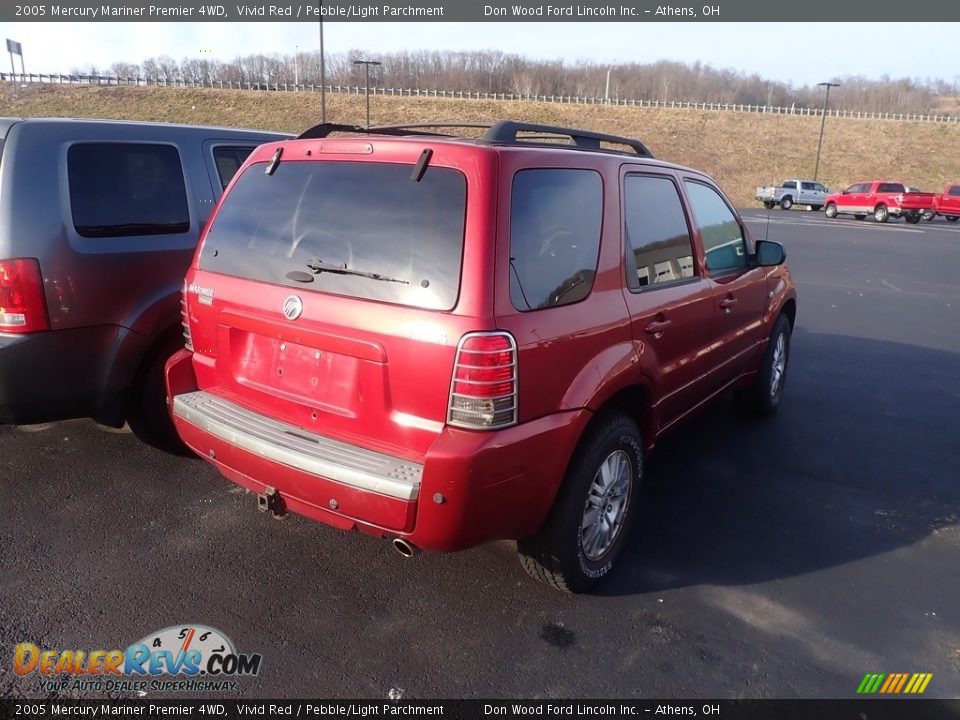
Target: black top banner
(851,11)
(858,709)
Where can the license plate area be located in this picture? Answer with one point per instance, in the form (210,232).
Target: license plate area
(307,375)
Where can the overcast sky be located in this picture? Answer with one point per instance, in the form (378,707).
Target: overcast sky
(799,53)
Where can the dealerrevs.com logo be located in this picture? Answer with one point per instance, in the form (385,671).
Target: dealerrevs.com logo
(182,657)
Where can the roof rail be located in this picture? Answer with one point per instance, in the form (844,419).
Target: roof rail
(505,132)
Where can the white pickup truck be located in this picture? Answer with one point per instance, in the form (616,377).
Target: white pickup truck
(793,192)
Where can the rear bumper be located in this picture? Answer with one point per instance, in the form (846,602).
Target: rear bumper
(469,488)
(59,374)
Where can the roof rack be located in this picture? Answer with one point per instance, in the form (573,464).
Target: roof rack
(505,132)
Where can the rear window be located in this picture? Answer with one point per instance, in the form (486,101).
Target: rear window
(356,219)
(890,188)
(127,189)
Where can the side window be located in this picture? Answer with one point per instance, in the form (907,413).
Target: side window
(124,189)
(954,191)
(819,188)
(807,186)
(790,184)
(890,188)
(554,236)
(723,242)
(853,189)
(228,160)
(657,235)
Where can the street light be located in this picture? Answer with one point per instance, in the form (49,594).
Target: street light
(323,74)
(823,120)
(366,87)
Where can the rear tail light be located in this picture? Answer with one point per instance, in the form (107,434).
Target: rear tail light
(483,392)
(185,319)
(23,308)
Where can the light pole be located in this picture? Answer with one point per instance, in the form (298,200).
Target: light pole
(323,74)
(606,93)
(296,67)
(366,87)
(823,120)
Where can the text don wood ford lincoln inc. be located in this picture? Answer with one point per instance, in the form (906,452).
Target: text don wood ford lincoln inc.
(182,657)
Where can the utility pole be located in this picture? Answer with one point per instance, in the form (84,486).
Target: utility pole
(296,67)
(366,88)
(606,93)
(823,120)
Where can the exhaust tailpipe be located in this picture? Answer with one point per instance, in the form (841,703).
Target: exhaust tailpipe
(405,548)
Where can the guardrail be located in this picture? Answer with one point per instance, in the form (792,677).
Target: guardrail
(31,78)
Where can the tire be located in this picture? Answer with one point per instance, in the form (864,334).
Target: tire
(769,204)
(831,211)
(859,216)
(881,214)
(762,397)
(786,202)
(564,553)
(912,219)
(952,218)
(929,215)
(148,416)
(815,208)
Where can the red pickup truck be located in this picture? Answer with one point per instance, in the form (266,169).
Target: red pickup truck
(946,204)
(881,199)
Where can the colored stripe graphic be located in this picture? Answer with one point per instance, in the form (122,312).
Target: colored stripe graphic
(894,683)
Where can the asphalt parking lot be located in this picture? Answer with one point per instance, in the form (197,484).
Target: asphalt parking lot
(784,558)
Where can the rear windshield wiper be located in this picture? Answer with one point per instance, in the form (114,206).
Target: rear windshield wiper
(319,266)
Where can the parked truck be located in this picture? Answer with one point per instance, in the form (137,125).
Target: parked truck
(880,198)
(947,204)
(793,192)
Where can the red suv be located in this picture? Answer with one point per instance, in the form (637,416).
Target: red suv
(449,341)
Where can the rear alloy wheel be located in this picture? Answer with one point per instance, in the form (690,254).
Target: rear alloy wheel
(579,543)
(786,203)
(929,215)
(831,211)
(148,416)
(762,397)
(881,214)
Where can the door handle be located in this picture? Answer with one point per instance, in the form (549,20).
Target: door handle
(728,302)
(657,326)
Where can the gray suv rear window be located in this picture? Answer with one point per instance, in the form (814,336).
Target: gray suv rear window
(127,189)
(350,218)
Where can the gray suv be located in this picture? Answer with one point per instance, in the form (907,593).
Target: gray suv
(98,222)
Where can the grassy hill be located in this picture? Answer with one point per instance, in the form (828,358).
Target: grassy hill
(741,150)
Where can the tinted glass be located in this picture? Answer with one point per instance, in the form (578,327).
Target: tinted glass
(554,236)
(806,186)
(723,241)
(790,184)
(955,190)
(229,160)
(360,216)
(656,230)
(890,188)
(819,188)
(123,189)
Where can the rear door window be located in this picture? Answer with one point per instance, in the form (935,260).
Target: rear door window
(361,229)
(127,189)
(657,235)
(555,219)
(955,190)
(890,188)
(228,160)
